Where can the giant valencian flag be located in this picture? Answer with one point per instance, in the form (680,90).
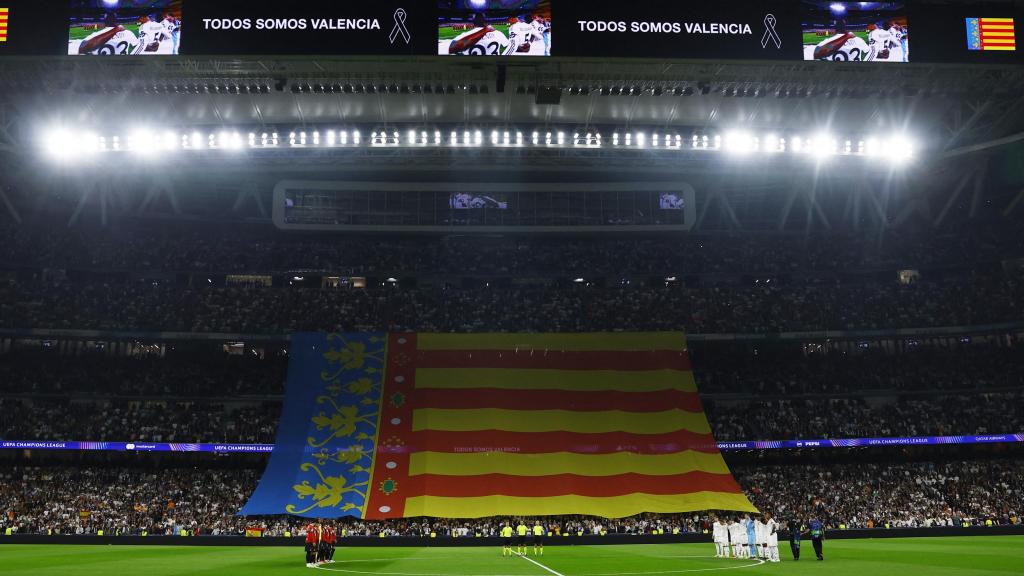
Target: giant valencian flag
(471,425)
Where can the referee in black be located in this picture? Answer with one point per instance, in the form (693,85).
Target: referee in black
(817,530)
(794,526)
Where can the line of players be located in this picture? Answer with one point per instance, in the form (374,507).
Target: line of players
(887,42)
(525,37)
(521,535)
(320,542)
(747,538)
(155,37)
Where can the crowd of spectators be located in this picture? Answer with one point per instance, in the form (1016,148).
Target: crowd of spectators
(978,414)
(138,421)
(753,392)
(769,371)
(905,495)
(73,500)
(574,307)
(176,375)
(199,422)
(722,370)
(163,421)
(149,247)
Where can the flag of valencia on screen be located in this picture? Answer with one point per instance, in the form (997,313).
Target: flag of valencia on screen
(4,19)
(463,426)
(991,34)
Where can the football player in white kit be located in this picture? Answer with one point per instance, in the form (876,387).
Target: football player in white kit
(154,37)
(772,528)
(481,40)
(113,39)
(721,539)
(522,35)
(843,46)
(738,538)
(543,28)
(173,27)
(898,34)
(880,42)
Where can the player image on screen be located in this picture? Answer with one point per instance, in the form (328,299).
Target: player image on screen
(855,31)
(494,28)
(124,27)
(668,201)
(466,201)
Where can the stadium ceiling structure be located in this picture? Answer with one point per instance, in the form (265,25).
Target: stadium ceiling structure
(959,116)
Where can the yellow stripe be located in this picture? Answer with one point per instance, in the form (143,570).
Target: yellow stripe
(990,47)
(610,507)
(989,35)
(986,20)
(376,432)
(572,380)
(559,421)
(530,465)
(611,341)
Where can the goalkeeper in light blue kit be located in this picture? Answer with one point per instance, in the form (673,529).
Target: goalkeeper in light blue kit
(748,523)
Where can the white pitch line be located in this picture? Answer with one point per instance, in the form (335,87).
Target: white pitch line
(527,558)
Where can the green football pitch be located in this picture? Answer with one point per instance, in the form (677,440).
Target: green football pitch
(812,39)
(899,556)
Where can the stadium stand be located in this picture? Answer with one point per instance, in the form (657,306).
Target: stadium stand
(131,500)
(574,307)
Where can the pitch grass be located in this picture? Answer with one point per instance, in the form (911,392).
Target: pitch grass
(903,556)
(812,38)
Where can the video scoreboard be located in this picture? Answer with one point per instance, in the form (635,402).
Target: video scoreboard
(923,31)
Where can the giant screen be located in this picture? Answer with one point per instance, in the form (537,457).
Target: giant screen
(892,32)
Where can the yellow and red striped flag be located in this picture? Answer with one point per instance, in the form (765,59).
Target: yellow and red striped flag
(474,425)
(991,34)
(4,16)
(540,424)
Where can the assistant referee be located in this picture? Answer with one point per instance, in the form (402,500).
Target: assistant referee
(506,538)
(521,532)
(538,538)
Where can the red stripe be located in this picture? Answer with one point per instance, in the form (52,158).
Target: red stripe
(476,398)
(566,484)
(547,442)
(554,360)
(395,427)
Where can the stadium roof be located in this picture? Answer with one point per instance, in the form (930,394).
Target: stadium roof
(953,111)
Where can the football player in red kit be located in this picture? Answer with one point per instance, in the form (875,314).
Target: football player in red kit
(313,537)
(330,538)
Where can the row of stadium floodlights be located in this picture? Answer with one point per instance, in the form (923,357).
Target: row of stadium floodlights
(67,145)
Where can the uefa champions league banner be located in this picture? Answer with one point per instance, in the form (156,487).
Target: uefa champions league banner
(895,31)
(139,446)
(723,446)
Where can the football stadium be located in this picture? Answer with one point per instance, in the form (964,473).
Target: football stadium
(352,287)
